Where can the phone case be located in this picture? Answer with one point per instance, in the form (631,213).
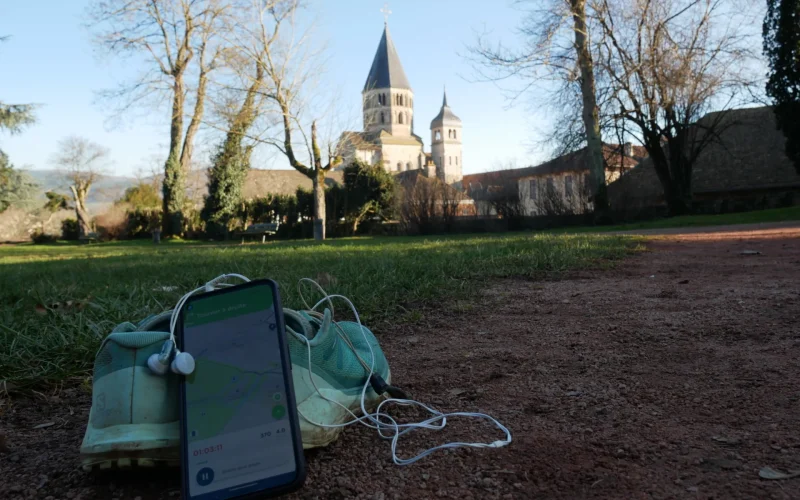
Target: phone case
(291,402)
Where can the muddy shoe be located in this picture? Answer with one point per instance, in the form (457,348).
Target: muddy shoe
(338,358)
(134,415)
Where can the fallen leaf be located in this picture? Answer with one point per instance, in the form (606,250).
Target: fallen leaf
(684,282)
(40,309)
(165,288)
(457,392)
(413,339)
(770,473)
(42,426)
(572,394)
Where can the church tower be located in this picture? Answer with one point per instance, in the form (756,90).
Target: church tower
(388,101)
(446,144)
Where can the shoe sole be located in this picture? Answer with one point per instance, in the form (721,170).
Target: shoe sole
(315,436)
(131,445)
(127,460)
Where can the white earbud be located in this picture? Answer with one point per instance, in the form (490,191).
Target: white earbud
(159,363)
(183,363)
(156,365)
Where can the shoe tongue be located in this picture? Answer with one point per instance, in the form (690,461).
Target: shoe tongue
(299,323)
(307,324)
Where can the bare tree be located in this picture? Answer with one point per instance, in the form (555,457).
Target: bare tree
(668,63)
(269,37)
(590,112)
(418,208)
(82,162)
(558,48)
(176,37)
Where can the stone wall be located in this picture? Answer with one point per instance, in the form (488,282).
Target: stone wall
(19,225)
(406,155)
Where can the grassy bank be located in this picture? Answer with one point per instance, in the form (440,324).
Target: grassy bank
(58,302)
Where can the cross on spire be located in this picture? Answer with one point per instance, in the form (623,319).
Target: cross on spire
(386,12)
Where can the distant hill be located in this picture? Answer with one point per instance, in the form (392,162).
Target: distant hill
(110,188)
(105,190)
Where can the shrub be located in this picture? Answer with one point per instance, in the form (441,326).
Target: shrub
(141,222)
(40,238)
(69,229)
(113,224)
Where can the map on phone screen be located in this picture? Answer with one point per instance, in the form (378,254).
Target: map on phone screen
(236,418)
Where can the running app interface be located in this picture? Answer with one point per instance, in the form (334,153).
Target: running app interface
(237,428)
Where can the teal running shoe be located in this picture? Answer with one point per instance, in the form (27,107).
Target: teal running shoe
(134,419)
(336,373)
(134,416)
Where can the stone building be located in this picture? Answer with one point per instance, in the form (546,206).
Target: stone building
(388,137)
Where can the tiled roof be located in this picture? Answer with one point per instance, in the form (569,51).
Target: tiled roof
(445,114)
(386,70)
(750,156)
(373,140)
(264,182)
(485,183)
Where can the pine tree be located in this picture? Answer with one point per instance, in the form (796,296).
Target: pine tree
(782,48)
(16,187)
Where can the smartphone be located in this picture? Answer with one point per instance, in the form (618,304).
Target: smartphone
(240,437)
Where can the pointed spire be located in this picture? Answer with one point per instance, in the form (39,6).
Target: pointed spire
(445,114)
(386,70)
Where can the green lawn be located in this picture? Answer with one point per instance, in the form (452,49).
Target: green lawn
(387,278)
(758,216)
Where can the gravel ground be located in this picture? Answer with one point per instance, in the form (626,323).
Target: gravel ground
(674,375)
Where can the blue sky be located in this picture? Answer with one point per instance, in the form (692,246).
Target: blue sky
(49,60)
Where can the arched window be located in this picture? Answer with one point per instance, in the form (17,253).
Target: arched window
(450,159)
(456,160)
(383,119)
(454,134)
(408,166)
(400,118)
(437,136)
(399,166)
(449,133)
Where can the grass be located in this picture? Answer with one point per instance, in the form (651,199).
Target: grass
(758,216)
(387,279)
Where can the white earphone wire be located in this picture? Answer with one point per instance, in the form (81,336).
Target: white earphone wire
(380,420)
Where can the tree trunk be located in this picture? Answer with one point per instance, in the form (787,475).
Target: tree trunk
(680,201)
(591,120)
(79,194)
(194,123)
(174,186)
(319,204)
(674,173)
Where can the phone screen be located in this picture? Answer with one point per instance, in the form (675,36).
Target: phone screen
(238,431)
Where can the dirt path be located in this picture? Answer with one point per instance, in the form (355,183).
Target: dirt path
(673,376)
